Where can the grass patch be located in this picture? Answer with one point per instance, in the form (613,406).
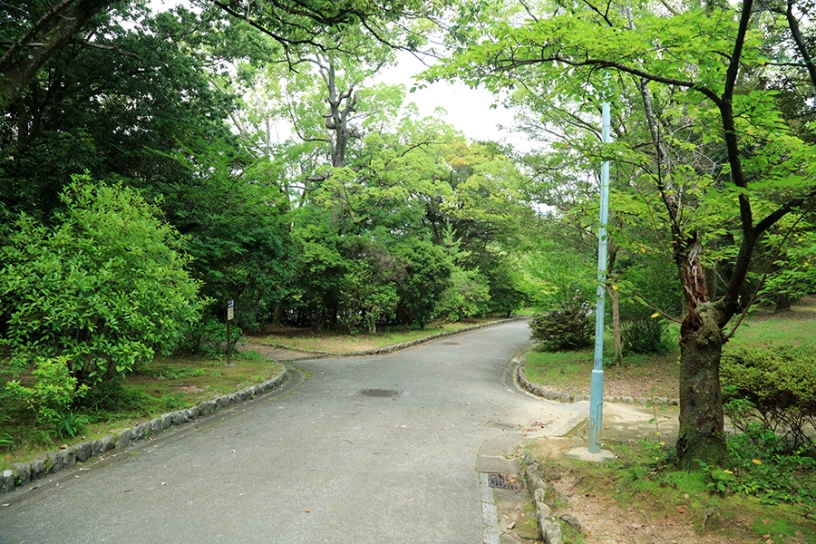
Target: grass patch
(637,376)
(344,344)
(642,484)
(162,386)
(658,375)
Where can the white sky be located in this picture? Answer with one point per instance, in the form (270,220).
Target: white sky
(469,110)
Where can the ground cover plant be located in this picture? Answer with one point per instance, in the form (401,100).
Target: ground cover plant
(641,497)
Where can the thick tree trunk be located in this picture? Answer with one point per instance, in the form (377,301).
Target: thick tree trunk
(701,436)
(22,61)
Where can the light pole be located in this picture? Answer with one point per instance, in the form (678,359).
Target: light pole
(597,382)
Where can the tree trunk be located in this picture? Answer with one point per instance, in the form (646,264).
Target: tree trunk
(701,436)
(614,297)
(22,61)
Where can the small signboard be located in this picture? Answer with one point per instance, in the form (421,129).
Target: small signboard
(230,309)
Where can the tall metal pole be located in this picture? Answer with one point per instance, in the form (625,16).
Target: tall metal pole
(597,382)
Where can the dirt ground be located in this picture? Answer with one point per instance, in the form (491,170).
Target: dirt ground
(610,520)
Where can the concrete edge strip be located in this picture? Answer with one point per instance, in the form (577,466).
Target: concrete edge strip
(490,513)
(396,347)
(566,398)
(21,474)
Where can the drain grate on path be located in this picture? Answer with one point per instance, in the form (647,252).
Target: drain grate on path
(379,393)
(497,480)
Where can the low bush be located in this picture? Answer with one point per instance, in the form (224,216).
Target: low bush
(645,335)
(566,328)
(771,389)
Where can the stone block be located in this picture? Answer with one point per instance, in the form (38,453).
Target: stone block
(7,483)
(192,412)
(96,448)
(551,533)
(206,408)
(56,461)
(223,402)
(38,468)
(70,459)
(83,452)
(22,473)
(179,417)
(167,420)
(124,438)
(108,443)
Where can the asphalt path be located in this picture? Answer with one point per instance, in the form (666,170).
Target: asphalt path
(322,463)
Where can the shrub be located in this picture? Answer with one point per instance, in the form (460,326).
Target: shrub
(645,335)
(105,288)
(771,389)
(50,395)
(467,296)
(566,328)
(209,337)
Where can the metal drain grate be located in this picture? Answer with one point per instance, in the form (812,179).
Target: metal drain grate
(503,481)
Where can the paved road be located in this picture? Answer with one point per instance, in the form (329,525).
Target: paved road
(323,463)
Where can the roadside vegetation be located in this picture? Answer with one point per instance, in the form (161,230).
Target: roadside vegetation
(764,492)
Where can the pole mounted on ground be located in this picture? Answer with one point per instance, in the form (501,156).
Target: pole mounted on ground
(597,382)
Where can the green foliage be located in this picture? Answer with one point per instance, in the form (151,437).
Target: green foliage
(50,396)
(104,289)
(567,328)
(427,273)
(771,390)
(765,467)
(645,335)
(209,337)
(466,296)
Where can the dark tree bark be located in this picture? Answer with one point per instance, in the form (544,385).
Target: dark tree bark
(21,61)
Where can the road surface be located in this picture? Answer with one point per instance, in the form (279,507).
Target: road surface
(323,463)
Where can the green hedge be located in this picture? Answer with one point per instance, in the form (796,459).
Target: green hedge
(771,389)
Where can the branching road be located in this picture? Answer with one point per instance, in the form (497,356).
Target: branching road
(324,463)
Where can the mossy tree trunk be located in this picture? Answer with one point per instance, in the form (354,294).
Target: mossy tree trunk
(701,436)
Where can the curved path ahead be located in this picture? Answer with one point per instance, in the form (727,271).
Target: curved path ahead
(323,463)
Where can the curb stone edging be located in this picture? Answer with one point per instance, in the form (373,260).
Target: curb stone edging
(396,347)
(543,494)
(21,474)
(567,398)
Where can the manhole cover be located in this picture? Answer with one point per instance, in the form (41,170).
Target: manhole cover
(503,481)
(450,343)
(379,393)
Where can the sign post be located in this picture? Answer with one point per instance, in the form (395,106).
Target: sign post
(230,313)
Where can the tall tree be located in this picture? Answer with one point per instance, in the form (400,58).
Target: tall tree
(700,54)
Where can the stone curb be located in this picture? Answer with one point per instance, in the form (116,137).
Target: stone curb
(567,398)
(396,347)
(21,474)
(544,498)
